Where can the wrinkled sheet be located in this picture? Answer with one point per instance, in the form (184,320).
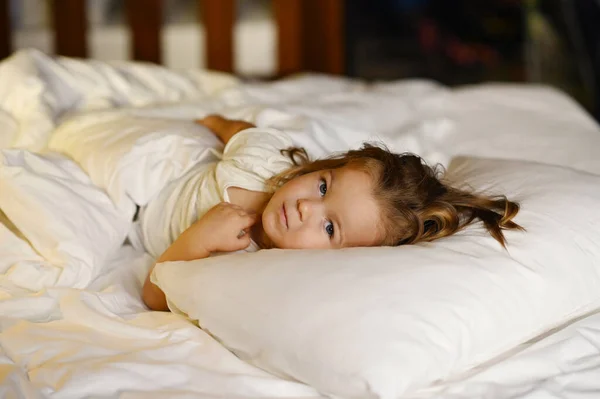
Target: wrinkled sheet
(100,341)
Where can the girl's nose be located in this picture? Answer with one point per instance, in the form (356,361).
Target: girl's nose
(308,207)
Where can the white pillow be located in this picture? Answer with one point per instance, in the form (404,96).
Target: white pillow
(70,223)
(131,156)
(383,322)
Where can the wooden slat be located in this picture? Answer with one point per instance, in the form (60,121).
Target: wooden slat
(288,16)
(323,35)
(5,34)
(70,27)
(218,18)
(145,24)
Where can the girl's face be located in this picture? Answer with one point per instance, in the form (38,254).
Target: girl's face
(332,208)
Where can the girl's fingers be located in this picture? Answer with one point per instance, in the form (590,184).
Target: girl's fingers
(250,219)
(244,241)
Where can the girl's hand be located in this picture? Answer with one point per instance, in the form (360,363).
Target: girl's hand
(225,228)
(224,128)
(219,230)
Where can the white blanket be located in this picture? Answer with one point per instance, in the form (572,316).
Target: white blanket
(90,335)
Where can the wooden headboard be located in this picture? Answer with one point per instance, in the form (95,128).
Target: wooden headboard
(309,32)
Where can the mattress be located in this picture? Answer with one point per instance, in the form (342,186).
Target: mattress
(100,341)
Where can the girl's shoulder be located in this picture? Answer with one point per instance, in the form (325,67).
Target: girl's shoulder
(253,157)
(257,140)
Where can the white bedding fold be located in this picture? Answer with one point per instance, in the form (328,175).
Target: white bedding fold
(98,339)
(38,91)
(71,224)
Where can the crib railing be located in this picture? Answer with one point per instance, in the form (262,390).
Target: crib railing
(5,31)
(310,33)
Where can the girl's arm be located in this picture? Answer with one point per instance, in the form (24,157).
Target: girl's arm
(224,128)
(184,248)
(219,230)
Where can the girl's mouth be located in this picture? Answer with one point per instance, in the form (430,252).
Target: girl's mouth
(283,217)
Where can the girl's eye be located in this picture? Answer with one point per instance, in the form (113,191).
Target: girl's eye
(323,187)
(329,229)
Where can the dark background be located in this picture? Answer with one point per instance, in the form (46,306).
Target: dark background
(456,42)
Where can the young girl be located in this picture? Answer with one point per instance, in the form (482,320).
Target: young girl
(272,197)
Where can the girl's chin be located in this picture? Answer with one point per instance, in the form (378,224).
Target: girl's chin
(267,234)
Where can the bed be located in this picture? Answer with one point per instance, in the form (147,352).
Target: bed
(96,339)
(252,38)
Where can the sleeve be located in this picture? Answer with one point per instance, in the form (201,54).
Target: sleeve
(252,157)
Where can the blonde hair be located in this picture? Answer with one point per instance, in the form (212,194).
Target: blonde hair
(415,204)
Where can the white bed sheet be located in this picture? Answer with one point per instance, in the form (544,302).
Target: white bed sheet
(101,342)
